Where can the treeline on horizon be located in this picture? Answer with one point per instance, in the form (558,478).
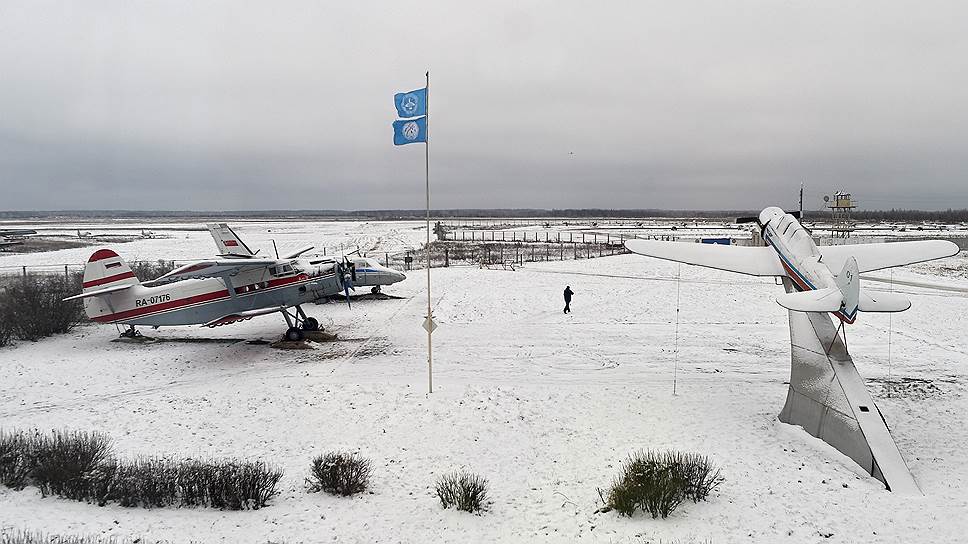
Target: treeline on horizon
(894,214)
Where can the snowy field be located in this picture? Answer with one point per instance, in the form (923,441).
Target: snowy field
(545,405)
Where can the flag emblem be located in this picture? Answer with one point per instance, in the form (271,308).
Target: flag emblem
(409,104)
(411,131)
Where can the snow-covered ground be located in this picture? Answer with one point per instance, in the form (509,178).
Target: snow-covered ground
(545,405)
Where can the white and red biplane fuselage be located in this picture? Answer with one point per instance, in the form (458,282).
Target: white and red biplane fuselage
(209,293)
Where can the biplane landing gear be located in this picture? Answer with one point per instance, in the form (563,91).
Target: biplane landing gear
(130,332)
(299,324)
(375,290)
(310,324)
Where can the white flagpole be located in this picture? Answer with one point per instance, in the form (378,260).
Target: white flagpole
(430,315)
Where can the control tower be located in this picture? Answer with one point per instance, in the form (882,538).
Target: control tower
(840,206)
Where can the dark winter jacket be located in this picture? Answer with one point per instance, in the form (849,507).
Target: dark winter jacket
(568,294)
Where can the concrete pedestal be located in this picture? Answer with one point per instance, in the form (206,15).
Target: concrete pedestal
(828,398)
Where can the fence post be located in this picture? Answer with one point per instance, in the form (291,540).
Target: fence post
(25,271)
(387,259)
(532,253)
(561,249)
(446,257)
(65,271)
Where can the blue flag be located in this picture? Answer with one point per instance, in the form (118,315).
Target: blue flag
(412,104)
(409,131)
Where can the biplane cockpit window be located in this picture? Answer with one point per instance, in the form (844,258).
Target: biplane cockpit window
(280,270)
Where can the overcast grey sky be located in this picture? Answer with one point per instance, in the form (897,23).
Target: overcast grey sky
(275,105)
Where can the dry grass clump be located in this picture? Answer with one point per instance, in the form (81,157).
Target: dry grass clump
(658,482)
(463,491)
(339,473)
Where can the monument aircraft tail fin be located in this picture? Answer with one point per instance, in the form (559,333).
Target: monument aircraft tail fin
(819,300)
(848,281)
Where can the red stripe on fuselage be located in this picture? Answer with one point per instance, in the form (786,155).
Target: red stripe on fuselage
(196,299)
(171,305)
(797,280)
(109,279)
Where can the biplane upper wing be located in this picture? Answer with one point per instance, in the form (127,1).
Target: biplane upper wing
(213,268)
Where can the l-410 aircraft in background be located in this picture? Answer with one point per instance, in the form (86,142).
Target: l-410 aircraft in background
(363,271)
(827,278)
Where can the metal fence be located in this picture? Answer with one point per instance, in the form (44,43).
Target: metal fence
(545,236)
(512,250)
(505,254)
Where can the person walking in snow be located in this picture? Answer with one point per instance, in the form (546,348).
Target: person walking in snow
(568,294)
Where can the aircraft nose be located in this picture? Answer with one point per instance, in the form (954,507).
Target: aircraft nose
(397,276)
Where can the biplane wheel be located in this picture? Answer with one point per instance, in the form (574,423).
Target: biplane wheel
(310,324)
(375,290)
(294,334)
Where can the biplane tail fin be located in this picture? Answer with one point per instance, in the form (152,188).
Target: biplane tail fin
(106,269)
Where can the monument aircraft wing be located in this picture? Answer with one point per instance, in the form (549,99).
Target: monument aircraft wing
(755,261)
(826,279)
(872,257)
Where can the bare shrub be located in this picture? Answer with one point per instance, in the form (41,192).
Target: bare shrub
(26,537)
(232,484)
(32,307)
(658,482)
(16,459)
(6,326)
(462,490)
(149,270)
(66,463)
(159,482)
(339,473)
(79,466)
